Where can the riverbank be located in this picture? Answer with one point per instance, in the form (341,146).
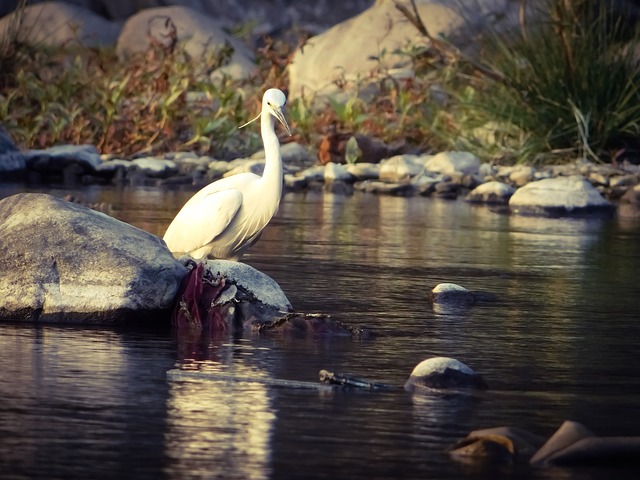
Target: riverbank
(447,175)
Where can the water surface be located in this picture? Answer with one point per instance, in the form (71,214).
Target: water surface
(559,342)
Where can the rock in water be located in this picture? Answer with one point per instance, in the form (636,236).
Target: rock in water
(443,373)
(226,295)
(560,196)
(450,298)
(261,286)
(61,262)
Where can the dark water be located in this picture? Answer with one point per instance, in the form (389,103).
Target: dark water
(560,342)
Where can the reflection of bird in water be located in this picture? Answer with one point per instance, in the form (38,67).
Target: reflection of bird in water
(227,216)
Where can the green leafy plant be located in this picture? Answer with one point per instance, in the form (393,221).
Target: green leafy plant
(571,83)
(566,86)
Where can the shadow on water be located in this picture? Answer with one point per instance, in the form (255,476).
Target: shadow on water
(557,341)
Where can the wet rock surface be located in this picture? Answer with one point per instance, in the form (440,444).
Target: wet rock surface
(444,373)
(571,445)
(65,263)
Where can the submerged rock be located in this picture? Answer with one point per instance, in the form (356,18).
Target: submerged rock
(62,262)
(572,445)
(222,295)
(450,298)
(496,445)
(491,448)
(443,373)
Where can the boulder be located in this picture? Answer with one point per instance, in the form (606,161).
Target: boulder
(86,158)
(62,262)
(375,40)
(572,195)
(443,373)
(57,24)
(451,162)
(222,295)
(257,284)
(198,34)
(493,192)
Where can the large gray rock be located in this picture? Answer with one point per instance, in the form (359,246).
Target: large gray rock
(347,54)
(55,159)
(198,34)
(59,24)
(572,195)
(259,285)
(61,262)
(221,295)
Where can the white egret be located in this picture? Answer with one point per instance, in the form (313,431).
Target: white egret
(227,216)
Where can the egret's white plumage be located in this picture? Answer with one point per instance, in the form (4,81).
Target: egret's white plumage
(227,216)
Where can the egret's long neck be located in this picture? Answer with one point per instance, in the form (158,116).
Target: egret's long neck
(272,174)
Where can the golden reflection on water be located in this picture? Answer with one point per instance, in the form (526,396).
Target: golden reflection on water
(219,429)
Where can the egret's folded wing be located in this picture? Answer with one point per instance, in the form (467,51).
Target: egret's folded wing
(200,221)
